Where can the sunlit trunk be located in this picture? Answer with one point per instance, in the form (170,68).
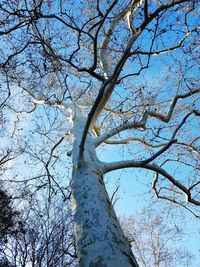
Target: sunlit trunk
(99,238)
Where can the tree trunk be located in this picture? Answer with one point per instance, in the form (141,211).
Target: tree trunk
(99,238)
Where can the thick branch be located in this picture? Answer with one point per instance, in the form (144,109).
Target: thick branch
(129,125)
(167,50)
(15,27)
(109,85)
(146,115)
(104,46)
(146,14)
(139,164)
(158,11)
(50,102)
(95,40)
(160,152)
(168,198)
(134,139)
(195,112)
(45,100)
(104,55)
(166,118)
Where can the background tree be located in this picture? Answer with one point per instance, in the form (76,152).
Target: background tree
(156,240)
(8,216)
(46,238)
(82,61)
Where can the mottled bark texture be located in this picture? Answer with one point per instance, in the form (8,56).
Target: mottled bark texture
(99,238)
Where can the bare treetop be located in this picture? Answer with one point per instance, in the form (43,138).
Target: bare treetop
(121,72)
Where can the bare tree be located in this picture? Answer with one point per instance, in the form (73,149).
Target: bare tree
(8,217)
(44,239)
(121,72)
(156,240)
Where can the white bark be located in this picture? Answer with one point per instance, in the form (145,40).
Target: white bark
(99,238)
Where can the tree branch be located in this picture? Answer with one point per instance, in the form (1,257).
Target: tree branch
(155,53)
(146,14)
(141,124)
(168,198)
(139,164)
(108,85)
(128,125)
(134,139)
(166,118)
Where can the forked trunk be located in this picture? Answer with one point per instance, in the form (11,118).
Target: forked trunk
(99,237)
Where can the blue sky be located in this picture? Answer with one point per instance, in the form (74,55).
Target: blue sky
(134,192)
